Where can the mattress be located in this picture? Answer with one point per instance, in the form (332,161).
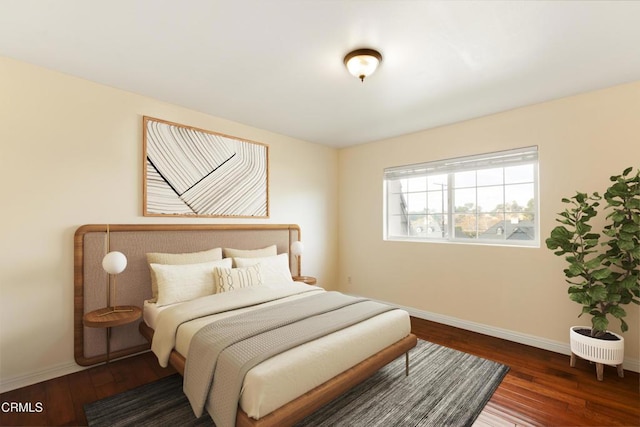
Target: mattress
(288,375)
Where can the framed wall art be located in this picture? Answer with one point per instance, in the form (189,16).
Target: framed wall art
(199,173)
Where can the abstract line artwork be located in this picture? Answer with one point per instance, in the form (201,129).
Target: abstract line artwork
(194,172)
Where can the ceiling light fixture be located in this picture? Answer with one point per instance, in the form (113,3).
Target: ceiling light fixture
(362,62)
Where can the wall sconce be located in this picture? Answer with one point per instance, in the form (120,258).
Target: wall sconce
(362,62)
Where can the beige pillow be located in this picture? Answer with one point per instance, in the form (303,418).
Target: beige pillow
(184,282)
(230,279)
(251,253)
(275,269)
(175,259)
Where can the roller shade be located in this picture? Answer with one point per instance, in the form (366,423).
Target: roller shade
(483,161)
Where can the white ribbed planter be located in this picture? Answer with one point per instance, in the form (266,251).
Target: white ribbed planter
(602,352)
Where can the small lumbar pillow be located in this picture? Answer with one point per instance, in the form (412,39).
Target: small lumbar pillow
(175,259)
(251,253)
(184,282)
(231,279)
(275,269)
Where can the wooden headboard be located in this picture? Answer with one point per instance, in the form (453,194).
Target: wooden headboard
(134,283)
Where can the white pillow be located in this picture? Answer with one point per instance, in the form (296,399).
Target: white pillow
(230,279)
(251,253)
(275,269)
(186,258)
(184,282)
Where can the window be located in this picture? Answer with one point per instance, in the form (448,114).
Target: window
(490,198)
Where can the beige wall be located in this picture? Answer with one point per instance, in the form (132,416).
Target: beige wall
(518,292)
(71,154)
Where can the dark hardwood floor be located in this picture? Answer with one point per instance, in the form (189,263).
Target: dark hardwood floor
(540,388)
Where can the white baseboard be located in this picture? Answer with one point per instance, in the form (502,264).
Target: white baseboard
(8,384)
(531,340)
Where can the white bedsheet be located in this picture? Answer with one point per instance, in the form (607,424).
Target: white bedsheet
(286,376)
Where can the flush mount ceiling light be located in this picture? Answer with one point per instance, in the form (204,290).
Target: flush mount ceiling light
(362,62)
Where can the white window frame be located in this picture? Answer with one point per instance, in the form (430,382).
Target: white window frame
(395,201)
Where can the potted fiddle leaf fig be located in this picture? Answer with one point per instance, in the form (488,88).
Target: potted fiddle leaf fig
(603,276)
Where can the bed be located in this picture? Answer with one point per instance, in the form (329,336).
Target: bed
(280,390)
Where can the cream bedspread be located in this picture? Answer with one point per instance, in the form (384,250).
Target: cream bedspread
(284,377)
(169,320)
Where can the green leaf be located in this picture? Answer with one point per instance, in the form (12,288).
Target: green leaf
(626,245)
(552,243)
(613,297)
(603,273)
(580,298)
(623,326)
(618,189)
(561,233)
(592,263)
(575,269)
(617,216)
(630,282)
(582,228)
(626,236)
(617,311)
(597,293)
(632,204)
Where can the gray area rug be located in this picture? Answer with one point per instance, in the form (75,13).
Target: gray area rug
(445,387)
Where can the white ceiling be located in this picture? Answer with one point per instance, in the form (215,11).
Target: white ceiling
(277,65)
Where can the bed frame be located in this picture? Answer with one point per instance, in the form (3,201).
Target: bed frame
(92,242)
(316,398)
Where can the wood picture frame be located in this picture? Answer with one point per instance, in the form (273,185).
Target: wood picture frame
(194,172)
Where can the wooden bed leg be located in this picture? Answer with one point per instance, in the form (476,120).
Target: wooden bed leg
(406,359)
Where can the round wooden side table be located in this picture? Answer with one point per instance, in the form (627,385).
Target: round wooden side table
(109,317)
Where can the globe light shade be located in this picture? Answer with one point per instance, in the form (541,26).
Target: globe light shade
(297,248)
(362,63)
(114,262)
